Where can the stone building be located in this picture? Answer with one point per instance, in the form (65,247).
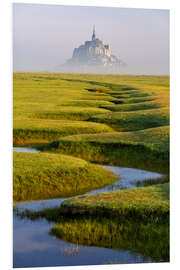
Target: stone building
(93,53)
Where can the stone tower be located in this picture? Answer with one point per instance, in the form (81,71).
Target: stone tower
(93,53)
(93,35)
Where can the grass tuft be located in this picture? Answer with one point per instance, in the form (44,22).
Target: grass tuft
(141,204)
(43,176)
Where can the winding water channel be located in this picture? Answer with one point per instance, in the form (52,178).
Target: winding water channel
(33,246)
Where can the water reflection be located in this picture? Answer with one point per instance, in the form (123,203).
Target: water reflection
(128,178)
(34,246)
(25,149)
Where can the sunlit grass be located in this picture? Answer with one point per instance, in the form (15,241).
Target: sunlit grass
(134,120)
(85,96)
(42,175)
(149,239)
(113,119)
(148,149)
(133,107)
(45,130)
(143,203)
(132,111)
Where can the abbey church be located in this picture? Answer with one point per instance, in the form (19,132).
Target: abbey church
(93,53)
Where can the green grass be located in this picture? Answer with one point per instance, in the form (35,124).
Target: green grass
(69,113)
(143,203)
(136,220)
(145,149)
(42,175)
(86,103)
(48,107)
(132,107)
(27,131)
(135,100)
(131,121)
(150,240)
(114,119)
(41,97)
(156,139)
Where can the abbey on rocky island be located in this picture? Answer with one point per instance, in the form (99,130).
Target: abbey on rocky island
(93,53)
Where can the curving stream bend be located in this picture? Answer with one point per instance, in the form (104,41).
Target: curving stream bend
(33,246)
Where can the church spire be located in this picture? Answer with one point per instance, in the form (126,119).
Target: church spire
(93,35)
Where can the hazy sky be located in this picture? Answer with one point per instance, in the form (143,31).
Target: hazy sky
(44,36)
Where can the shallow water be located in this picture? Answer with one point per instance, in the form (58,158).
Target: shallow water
(33,246)
(128,178)
(25,149)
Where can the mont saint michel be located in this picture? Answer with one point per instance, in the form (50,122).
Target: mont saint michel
(93,56)
(91,174)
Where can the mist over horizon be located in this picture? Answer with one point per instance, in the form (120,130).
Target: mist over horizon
(44,37)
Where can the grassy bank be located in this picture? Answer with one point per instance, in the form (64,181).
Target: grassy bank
(137,220)
(146,149)
(48,106)
(41,176)
(133,107)
(150,239)
(46,130)
(109,119)
(69,113)
(140,204)
(134,120)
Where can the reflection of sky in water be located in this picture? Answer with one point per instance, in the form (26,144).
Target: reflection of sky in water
(34,246)
(39,205)
(128,178)
(24,149)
